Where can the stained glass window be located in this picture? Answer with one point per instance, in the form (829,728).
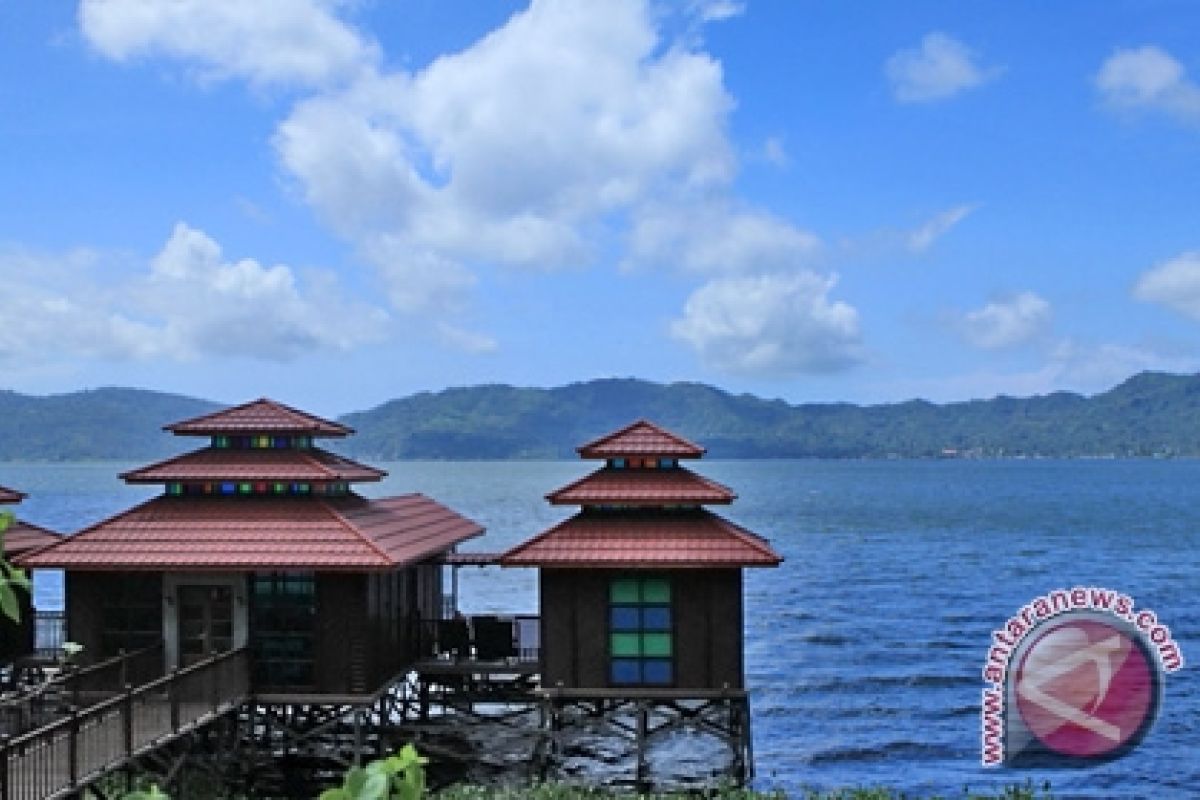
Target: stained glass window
(641,637)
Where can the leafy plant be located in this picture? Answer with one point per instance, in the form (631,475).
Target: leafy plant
(153,793)
(11,578)
(397,777)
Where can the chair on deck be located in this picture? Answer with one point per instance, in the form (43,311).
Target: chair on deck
(493,638)
(454,638)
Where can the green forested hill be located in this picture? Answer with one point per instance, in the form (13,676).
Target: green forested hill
(92,424)
(1151,413)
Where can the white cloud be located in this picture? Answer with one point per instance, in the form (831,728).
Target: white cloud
(190,303)
(1175,283)
(1066,364)
(298,42)
(939,68)
(774,152)
(1149,78)
(1006,323)
(716,10)
(937,226)
(522,150)
(715,238)
(771,324)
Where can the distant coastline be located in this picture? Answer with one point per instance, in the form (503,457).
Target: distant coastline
(1150,415)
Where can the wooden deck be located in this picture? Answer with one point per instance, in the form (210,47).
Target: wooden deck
(66,755)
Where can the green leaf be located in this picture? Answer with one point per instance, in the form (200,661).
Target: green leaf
(9,605)
(334,794)
(375,787)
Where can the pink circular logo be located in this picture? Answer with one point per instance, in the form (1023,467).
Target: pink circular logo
(1087,688)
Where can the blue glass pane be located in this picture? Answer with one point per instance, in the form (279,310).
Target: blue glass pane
(624,618)
(656,618)
(656,671)
(626,670)
(281,442)
(228,488)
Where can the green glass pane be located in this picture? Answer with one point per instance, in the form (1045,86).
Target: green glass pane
(624,590)
(656,590)
(625,644)
(656,644)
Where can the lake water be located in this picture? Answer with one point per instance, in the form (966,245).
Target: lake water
(864,650)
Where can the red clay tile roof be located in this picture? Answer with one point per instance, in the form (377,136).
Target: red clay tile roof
(24,537)
(641,438)
(624,539)
(258,416)
(263,533)
(211,464)
(10,495)
(641,487)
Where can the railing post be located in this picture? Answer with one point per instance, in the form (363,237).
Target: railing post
(123,668)
(214,696)
(73,747)
(173,699)
(127,709)
(4,754)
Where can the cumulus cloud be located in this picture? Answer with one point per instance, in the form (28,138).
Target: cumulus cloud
(939,68)
(937,226)
(1148,78)
(1175,283)
(191,302)
(771,324)
(518,150)
(572,130)
(294,42)
(1006,323)
(715,238)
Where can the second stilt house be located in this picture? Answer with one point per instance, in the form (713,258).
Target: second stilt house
(643,587)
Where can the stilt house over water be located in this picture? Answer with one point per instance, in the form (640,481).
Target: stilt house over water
(643,587)
(259,540)
(17,638)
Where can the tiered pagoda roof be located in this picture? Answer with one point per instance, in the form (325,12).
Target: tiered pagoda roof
(262,416)
(643,510)
(23,537)
(261,497)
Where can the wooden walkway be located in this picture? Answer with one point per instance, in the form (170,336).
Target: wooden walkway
(68,754)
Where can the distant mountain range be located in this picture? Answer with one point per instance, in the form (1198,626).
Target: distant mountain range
(1149,414)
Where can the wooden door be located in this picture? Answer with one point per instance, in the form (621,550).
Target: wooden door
(205,622)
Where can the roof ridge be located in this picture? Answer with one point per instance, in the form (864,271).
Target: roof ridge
(751,539)
(162,463)
(370,543)
(84,531)
(275,405)
(525,545)
(641,421)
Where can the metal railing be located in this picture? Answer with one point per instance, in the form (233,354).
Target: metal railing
(69,753)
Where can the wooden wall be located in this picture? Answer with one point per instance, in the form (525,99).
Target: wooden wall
(707,609)
(87,596)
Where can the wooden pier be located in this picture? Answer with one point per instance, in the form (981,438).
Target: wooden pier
(85,744)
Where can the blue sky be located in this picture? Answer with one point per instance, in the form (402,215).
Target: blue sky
(337,203)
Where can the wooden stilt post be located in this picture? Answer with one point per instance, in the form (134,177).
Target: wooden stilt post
(642,766)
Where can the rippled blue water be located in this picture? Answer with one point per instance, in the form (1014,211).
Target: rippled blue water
(864,649)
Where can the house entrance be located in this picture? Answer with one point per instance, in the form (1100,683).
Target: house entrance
(205,622)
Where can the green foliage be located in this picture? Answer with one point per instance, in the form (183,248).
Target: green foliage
(397,777)
(12,578)
(152,793)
